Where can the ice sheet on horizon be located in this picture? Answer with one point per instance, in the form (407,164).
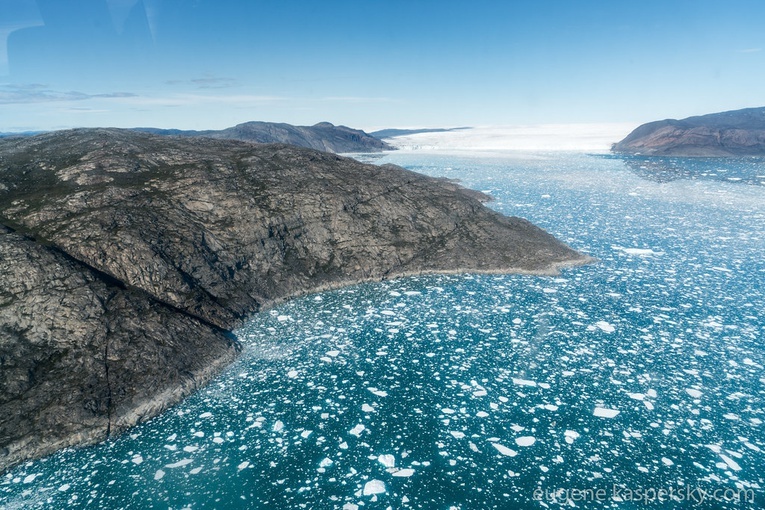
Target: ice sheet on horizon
(542,137)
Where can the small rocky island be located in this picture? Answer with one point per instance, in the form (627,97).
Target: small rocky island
(126,258)
(733,133)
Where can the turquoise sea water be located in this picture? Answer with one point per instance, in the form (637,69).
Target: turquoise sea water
(599,388)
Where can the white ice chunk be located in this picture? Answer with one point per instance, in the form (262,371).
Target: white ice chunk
(357,430)
(178,464)
(159,474)
(243,465)
(525,440)
(523,382)
(694,393)
(605,326)
(373,487)
(602,412)
(379,393)
(730,462)
(571,436)
(404,473)
(504,450)
(387,460)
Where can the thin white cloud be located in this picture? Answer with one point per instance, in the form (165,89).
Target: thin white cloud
(36,93)
(202,99)
(358,99)
(750,50)
(206,82)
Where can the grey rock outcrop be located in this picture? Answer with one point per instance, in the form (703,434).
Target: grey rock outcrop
(733,133)
(322,136)
(126,259)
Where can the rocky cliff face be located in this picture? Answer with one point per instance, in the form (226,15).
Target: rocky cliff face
(323,136)
(734,133)
(126,258)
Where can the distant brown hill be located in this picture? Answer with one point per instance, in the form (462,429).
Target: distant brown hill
(732,133)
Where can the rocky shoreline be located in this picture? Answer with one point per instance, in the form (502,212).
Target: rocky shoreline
(127,258)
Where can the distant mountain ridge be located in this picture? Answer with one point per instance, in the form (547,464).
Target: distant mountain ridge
(731,133)
(323,136)
(393,132)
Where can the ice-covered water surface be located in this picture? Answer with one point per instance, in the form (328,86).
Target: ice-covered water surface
(641,373)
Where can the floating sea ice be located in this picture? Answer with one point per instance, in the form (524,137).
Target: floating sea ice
(648,405)
(178,464)
(694,393)
(457,434)
(195,471)
(379,393)
(159,474)
(30,478)
(525,440)
(602,412)
(643,252)
(292,374)
(730,462)
(504,450)
(605,326)
(387,460)
(367,408)
(636,396)
(326,462)
(282,318)
(403,473)
(64,487)
(243,465)
(357,430)
(523,382)
(137,459)
(333,354)
(667,462)
(205,415)
(373,487)
(570,436)
(482,414)
(278,426)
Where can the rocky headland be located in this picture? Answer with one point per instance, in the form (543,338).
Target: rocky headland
(733,133)
(126,259)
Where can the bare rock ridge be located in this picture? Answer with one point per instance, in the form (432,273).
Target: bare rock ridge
(733,133)
(322,136)
(126,259)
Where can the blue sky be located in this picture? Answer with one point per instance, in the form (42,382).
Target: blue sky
(197,64)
